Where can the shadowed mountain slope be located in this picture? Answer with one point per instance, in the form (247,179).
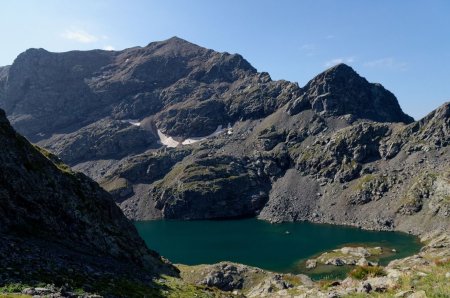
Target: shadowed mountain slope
(57,225)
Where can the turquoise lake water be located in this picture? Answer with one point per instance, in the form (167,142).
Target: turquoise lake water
(276,247)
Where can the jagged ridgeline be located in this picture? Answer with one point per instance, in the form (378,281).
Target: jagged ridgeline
(58,226)
(174,130)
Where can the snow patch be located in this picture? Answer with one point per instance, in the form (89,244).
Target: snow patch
(193,140)
(167,140)
(171,142)
(132,122)
(229,129)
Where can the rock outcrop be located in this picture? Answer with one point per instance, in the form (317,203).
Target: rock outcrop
(105,138)
(242,280)
(221,187)
(346,256)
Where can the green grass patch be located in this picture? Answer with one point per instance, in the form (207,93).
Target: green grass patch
(13,288)
(364,272)
(434,283)
(115,184)
(363,181)
(54,159)
(292,279)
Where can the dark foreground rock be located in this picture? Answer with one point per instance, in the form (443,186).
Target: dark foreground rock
(60,227)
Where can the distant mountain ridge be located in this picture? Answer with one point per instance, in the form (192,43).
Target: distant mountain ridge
(173,81)
(338,150)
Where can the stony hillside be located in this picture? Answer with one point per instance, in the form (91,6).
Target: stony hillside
(174,130)
(59,226)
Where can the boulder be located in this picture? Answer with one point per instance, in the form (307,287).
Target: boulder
(311,264)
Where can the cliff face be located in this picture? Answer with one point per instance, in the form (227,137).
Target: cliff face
(57,222)
(174,130)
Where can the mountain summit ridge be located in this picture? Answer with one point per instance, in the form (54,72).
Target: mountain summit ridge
(163,76)
(174,130)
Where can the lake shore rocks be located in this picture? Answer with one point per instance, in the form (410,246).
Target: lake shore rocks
(50,291)
(420,275)
(238,278)
(346,256)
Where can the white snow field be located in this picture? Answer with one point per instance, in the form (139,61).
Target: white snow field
(171,142)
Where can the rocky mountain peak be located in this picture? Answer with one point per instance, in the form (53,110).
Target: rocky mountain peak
(167,81)
(442,112)
(174,41)
(184,50)
(341,69)
(340,90)
(174,46)
(435,127)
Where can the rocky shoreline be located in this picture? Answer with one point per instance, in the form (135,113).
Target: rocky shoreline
(426,274)
(346,256)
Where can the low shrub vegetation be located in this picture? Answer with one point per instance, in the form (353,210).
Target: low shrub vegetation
(364,272)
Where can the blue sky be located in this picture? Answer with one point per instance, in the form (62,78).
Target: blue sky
(402,44)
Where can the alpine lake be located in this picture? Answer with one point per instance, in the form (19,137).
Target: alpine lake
(282,248)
